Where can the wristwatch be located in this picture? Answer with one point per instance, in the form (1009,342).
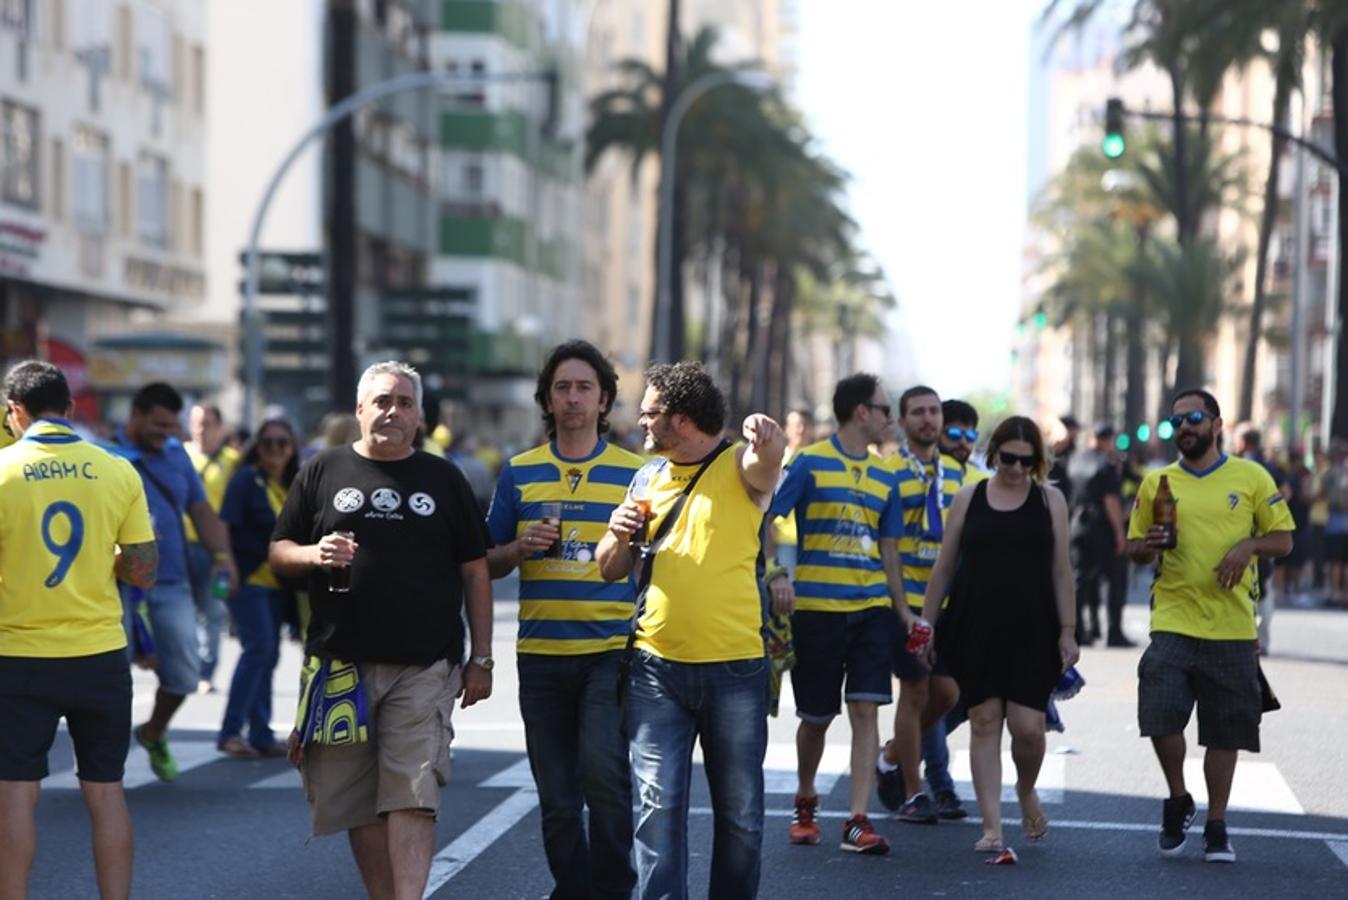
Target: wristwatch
(485,663)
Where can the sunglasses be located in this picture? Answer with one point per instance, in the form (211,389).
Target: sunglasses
(967,434)
(1193,417)
(884,408)
(1007,458)
(274,443)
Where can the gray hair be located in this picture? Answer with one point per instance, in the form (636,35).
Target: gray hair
(388,367)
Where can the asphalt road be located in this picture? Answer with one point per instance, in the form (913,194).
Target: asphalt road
(240,829)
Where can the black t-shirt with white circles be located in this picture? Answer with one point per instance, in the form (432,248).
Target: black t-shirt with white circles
(416,522)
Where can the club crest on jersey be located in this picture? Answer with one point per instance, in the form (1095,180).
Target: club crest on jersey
(1233,499)
(856,474)
(573,477)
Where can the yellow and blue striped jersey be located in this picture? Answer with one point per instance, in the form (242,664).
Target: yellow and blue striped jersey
(566,607)
(843,506)
(925,491)
(65,506)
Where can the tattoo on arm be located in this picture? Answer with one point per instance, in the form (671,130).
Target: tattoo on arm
(138,564)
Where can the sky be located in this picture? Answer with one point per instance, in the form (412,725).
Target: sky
(926,104)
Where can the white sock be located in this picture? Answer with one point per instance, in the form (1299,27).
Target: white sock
(884,765)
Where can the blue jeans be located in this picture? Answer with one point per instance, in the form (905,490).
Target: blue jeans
(212,615)
(724,705)
(578,754)
(173,624)
(257,617)
(936,758)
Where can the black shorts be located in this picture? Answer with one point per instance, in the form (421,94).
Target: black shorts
(1336,548)
(831,645)
(93,693)
(1222,677)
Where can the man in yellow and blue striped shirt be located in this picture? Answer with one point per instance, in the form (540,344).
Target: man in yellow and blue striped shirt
(552,505)
(927,483)
(842,496)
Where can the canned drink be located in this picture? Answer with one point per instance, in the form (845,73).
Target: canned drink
(919,636)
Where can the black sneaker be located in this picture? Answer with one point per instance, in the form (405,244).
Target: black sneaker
(948,806)
(1216,845)
(1177,814)
(919,810)
(889,785)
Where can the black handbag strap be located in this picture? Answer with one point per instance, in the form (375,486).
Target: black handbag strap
(163,490)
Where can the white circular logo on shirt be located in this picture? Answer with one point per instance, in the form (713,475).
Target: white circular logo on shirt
(421,503)
(583,556)
(386,499)
(348,500)
(866,543)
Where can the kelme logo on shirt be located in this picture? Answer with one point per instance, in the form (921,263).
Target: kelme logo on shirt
(1233,499)
(573,477)
(386,499)
(348,500)
(421,503)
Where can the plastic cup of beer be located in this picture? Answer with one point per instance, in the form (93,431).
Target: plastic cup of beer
(339,577)
(551,514)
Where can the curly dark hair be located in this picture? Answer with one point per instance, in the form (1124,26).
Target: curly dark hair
(40,386)
(686,389)
(589,354)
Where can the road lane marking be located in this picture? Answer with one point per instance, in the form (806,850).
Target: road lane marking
(188,754)
(479,836)
(1052,776)
(288,779)
(1076,824)
(1258,786)
(518,775)
(1340,849)
(779,768)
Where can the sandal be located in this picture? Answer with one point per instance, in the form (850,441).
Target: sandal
(237,748)
(988,844)
(1035,827)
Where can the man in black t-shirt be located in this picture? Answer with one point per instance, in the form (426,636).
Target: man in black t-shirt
(416,558)
(1098,536)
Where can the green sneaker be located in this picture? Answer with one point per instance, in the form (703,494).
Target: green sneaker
(162,762)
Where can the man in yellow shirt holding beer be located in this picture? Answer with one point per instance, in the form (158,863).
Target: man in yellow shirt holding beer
(700,671)
(1203,650)
(72,516)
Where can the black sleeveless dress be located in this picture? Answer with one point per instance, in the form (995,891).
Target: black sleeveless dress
(999,635)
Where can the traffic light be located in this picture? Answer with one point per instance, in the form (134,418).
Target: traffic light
(1165,431)
(1123,442)
(1114,142)
(1143,433)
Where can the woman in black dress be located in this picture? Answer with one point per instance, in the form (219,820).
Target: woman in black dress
(1008,631)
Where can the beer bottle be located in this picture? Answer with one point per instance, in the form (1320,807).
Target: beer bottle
(1163,512)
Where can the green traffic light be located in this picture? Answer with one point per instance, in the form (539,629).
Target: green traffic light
(1144,432)
(1123,442)
(1113,146)
(1165,431)
(1040,320)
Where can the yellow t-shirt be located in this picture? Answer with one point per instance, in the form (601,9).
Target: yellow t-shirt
(703,604)
(1216,509)
(65,505)
(215,474)
(263,576)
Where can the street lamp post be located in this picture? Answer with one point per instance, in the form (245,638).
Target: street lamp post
(662,342)
(414,81)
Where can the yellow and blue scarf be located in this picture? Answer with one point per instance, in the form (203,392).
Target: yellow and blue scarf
(332,708)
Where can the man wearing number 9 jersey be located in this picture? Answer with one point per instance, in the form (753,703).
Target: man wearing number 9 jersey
(73,518)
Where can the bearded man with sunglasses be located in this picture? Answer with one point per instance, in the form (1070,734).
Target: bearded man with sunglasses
(1203,648)
(959,434)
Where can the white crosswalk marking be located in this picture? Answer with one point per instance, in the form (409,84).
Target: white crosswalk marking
(189,755)
(1340,849)
(288,779)
(479,836)
(1051,785)
(1258,786)
(779,768)
(516,776)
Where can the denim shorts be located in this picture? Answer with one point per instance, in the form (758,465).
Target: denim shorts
(833,646)
(173,624)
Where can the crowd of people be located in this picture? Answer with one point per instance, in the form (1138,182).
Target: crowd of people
(649,580)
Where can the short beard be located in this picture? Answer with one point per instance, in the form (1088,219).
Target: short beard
(1202,444)
(957,453)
